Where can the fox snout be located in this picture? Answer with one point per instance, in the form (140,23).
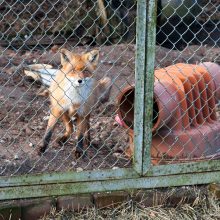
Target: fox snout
(78,82)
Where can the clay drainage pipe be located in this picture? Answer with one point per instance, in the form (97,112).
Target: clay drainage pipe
(185,123)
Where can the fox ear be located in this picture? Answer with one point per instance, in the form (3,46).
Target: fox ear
(65,56)
(92,57)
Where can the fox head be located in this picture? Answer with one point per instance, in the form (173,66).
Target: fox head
(79,65)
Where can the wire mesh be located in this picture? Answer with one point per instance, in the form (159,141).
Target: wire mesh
(190,31)
(34,31)
(185,110)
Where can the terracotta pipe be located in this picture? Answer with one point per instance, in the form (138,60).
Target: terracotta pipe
(169,95)
(165,106)
(126,107)
(214,71)
(184,111)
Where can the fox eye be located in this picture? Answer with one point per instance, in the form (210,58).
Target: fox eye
(87,72)
(93,58)
(65,57)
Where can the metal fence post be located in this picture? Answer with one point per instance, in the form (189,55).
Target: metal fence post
(140,70)
(146,32)
(149,82)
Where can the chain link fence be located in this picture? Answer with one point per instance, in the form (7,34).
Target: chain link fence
(33,33)
(191,132)
(84,52)
(186,106)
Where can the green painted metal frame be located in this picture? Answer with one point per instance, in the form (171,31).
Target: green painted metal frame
(140,75)
(70,176)
(149,83)
(107,185)
(142,174)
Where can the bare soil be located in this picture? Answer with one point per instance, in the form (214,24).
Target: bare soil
(24,114)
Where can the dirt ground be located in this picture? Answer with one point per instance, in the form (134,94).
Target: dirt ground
(24,114)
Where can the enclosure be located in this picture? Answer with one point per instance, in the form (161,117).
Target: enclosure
(158,127)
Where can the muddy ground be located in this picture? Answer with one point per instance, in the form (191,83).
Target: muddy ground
(24,114)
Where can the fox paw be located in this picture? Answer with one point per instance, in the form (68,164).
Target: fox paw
(62,140)
(80,153)
(41,149)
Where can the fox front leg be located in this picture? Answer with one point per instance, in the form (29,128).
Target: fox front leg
(54,116)
(83,135)
(69,129)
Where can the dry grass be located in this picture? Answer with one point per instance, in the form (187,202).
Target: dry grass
(203,208)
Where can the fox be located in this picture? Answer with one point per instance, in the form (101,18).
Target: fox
(75,92)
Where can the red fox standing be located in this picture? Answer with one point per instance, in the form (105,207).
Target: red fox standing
(74,92)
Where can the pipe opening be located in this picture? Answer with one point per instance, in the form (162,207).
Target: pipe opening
(155,112)
(126,109)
